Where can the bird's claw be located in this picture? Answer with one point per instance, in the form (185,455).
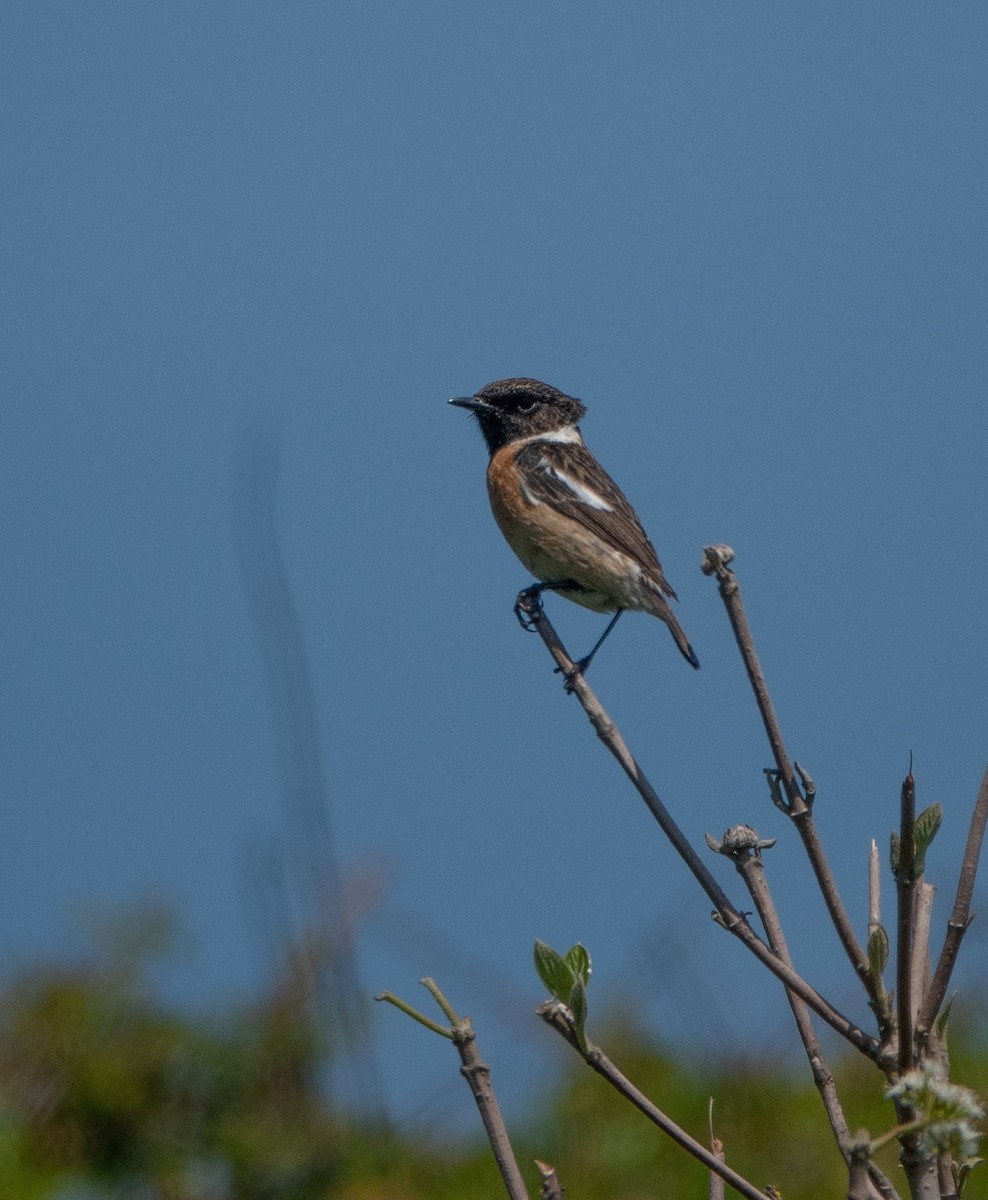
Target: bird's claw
(525,619)
(528,606)
(569,675)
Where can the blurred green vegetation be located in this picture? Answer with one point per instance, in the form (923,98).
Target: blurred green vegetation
(105,1094)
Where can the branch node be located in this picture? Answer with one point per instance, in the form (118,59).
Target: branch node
(773,777)
(551,1188)
(809,787)
(740,842)
(715,560)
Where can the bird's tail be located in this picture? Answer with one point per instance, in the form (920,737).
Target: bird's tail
(663,611)
(685,649)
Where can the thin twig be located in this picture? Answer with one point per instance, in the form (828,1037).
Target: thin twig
(716,1190)
(746,853)
(555,1015)
(751,867)
(923,896)
(874,889)
(726,914)
(409,1011)
(919,1165)
(881,1182)
(905,882)
(878,946)
(551,1188)
(716,563)
(961,916)
(449,1012)
(858,1183)
(945,1175)
(478,1075)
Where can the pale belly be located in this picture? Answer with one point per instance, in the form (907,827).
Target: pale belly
(607,579)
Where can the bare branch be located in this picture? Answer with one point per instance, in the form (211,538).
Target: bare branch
(874,889)
(948,1188)
(961,916)
(551,1188)
(797,808)
(751,867)
(478,1075)
(725,914)
(923,896)
(555,1015)
(920,1168)
(905,882)
(716,1191)
(858,1184)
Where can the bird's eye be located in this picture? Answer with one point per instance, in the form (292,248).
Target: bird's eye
(526,405)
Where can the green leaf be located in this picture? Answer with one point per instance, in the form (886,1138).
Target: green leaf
(578,1007)
(926,827)
(928,824)
(878,951)
(554,971)
(961,1171)
(578,958)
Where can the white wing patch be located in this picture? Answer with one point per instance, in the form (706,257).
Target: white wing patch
(580,490)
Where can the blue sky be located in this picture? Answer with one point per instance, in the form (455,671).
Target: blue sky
(751,237)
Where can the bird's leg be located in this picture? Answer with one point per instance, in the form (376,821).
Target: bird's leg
(534,594)
(580,667)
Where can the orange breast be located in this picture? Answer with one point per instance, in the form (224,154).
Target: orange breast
(551,545)
(507,501)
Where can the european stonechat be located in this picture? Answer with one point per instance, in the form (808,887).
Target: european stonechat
(560,511)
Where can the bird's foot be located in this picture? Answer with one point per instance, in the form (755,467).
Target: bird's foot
(569,675)
(528,606)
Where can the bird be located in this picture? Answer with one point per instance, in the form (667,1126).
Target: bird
(561,513)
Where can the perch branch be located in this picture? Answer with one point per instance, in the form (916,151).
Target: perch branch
(726,914)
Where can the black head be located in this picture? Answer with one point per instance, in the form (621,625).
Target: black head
(516,408)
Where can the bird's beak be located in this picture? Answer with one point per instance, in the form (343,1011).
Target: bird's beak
(471,402)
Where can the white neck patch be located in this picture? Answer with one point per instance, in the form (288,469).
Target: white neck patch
(568,433)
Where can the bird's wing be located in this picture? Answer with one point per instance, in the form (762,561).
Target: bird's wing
(566,476)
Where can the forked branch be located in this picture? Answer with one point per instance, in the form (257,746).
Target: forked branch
(478,1075)
(798,806)
(743,846)
(725,912)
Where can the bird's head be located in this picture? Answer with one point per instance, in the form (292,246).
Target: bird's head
(509,409)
